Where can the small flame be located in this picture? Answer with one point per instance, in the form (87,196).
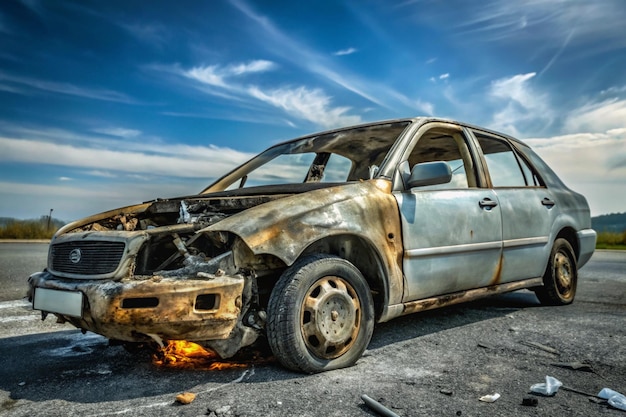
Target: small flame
(188,355)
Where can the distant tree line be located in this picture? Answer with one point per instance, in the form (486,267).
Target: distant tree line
(611,240)
(611,230)
(615,222)
(42,228)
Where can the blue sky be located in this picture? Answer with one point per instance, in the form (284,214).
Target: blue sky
(105,104)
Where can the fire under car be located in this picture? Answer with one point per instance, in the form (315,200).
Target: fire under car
(309,244)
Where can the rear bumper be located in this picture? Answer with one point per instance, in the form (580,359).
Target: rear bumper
(587,245)
(138,310)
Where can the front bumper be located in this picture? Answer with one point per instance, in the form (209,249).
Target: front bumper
(138,310)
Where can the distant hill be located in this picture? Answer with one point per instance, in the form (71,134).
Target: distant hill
(615,222)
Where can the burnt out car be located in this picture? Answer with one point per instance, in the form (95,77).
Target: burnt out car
(313,241)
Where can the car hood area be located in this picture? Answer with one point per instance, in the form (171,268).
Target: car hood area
(168,235)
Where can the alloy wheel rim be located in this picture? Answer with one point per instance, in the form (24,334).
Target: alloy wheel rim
(563,273)
(330,317)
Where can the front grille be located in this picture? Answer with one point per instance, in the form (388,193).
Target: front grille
(87,257)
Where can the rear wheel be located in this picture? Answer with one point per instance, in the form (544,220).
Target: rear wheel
(561,276)
(320,315)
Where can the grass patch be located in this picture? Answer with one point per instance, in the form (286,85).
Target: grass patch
(611,247)
(29,229)
(611,240)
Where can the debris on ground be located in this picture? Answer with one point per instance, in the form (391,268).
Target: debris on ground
(530,401)
(548,388)
(491,398)
(575,366)
(223,411)
(185,398)
(574,390)
(615,399)
(541,347)
(446,391)
(378,407)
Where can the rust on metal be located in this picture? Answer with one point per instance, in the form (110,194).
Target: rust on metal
(203,267)
(469,295)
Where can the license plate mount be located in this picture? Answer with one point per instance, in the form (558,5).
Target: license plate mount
(69,303)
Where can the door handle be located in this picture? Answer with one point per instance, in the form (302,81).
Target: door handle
(487,203)
(547,202)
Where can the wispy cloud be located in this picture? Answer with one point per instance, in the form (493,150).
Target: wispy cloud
(558,53)
(73,200)
(102,174)
(594,162)
(301,55)
(597,116)
(514,88)
(182,161)
(66,89)
(74,138)
(425,107)
(552,19)
(311,105)
(152,33)
(217,76)
(347,51)
(119,132)
(519,103)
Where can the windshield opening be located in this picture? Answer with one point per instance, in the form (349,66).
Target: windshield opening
(339,156)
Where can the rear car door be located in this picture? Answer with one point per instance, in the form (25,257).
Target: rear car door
(452,233)
(526,205)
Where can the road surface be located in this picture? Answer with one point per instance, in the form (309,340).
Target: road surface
(433,363)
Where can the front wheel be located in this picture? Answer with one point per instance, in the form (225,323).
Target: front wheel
(320,315)
(561,276)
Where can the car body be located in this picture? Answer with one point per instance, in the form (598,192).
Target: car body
(316,239)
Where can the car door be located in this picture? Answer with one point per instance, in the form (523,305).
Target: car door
(527,208)
(452,233)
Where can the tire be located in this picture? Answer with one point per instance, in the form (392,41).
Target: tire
(320,315)
(561,276)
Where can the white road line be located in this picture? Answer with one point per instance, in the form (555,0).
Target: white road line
(18,318)
(14,304)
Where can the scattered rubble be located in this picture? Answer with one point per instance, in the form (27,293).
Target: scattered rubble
(223,411)
(185,398)
(530,402)
(541,347)
(491,398)
(575,366)
(378,407)
(548,388)
(614,398)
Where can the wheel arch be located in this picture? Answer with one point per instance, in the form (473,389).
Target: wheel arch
(357,250)
(364,256)
(569,234)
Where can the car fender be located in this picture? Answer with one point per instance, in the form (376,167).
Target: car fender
(285,228)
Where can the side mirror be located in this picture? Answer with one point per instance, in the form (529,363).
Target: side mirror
(430,173)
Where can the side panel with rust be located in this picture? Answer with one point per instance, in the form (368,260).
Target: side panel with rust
(451,243)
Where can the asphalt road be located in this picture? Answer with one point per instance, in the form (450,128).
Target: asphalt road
(17,262)
(429,364)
